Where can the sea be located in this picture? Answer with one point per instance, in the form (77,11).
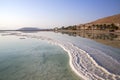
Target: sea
(37,55)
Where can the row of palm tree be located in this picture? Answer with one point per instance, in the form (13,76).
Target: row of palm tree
(69,27)
(104,27)
(93,27)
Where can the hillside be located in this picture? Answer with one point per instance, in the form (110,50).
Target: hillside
(110,19)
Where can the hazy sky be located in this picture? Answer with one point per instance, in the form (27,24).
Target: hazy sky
(53,13)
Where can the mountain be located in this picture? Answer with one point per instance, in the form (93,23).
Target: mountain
(29,29)
(109,19)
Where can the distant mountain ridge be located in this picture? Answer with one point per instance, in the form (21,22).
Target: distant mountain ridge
(29,29)
(32,29)
(109,19)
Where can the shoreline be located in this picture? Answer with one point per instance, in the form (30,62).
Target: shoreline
(107,38)
(83,74)
(75,68)
(87,31)
(79,68)
(72,66)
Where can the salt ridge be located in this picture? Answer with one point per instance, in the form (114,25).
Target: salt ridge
(87,68)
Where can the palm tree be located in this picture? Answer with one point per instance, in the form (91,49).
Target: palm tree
(74,27)
(105,26)
(108,27)
(114,27)
(101,27)
(89,27)
(97,26)
(93,26)
(63,28)
(84,28)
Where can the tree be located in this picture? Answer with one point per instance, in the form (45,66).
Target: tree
(105,26)
(63,28)
(97,26)
(74,27)
(101,26)
(108,26)
(89,27)
(114,27)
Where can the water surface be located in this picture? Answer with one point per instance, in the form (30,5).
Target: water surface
(108,57)
(32,59)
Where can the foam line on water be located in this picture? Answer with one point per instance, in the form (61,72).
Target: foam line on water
(86,67)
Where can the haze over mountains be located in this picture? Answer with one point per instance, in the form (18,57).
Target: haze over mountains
(110,19)
(32,29)
(29,29)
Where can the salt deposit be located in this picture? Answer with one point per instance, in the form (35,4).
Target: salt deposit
(80,61)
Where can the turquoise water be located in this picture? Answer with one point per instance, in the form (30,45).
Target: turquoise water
(32,59)
(29,56)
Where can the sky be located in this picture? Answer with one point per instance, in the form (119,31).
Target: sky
(15,14)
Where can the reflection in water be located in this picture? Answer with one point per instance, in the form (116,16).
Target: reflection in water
(32,59)
(111,39)
(29,31)
(103,55)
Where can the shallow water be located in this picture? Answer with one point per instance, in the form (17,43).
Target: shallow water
(107,57)
(32,59)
